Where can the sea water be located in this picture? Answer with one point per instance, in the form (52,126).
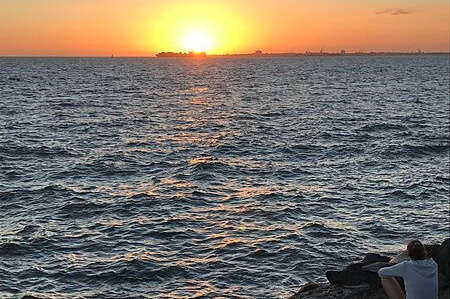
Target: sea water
(245,177)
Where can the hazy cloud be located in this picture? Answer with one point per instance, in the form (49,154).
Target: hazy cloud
(394,11)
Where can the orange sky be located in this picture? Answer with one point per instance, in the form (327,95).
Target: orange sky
(145,27)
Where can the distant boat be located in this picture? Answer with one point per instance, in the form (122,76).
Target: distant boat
(181,54)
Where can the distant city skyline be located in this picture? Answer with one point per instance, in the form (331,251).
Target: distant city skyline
(145,28)
(260,53)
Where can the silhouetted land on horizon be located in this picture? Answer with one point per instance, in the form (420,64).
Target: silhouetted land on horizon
(203,55)
(290,54)
(181,54)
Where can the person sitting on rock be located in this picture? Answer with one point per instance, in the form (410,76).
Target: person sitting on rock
(420,275)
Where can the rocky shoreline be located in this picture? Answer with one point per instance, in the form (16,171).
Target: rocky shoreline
(360,280)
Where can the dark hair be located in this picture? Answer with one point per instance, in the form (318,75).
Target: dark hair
(416,250)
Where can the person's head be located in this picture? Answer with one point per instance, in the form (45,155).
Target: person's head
(416,250)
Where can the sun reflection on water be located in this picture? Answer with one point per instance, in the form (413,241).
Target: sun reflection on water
(201,160)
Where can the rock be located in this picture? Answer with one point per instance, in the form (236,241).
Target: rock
(327,291)
(308,287)
(375,267)
(353,278)
(371,258)
(443,287)
(357,274)
(433,251)
(443,259)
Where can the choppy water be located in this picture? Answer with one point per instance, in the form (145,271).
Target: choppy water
(218,177)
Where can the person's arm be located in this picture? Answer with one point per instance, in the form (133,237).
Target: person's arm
(396,270)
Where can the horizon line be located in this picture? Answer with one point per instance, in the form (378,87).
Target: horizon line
(305,54)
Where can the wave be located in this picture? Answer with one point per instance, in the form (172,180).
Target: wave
(377,127)
(411,150)
(39,151)
(81,209)
(303,149)
(137,270)
(28,229)
(207,164)
(142,195)
(13,249)
(273,114)
(400,194)
(23,197)
(102,168)
(164,235)
(321,230)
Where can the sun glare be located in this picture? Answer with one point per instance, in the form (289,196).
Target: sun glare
(197,41)
(199,26)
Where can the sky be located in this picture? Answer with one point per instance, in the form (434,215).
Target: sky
(146,27)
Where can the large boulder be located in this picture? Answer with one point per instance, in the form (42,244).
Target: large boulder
(353,278)
(357,274)
(444,258)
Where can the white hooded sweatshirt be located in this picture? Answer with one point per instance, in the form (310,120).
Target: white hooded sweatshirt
(420,277)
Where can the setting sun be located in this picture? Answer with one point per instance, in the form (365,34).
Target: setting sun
(199,27)
(197,40)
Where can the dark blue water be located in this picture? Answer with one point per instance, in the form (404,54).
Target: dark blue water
(230,177)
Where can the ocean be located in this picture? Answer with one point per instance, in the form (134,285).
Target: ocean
(216,177)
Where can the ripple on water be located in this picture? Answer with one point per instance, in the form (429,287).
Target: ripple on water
(240,177)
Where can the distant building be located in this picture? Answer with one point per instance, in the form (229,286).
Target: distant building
(258,52)
(342,52)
